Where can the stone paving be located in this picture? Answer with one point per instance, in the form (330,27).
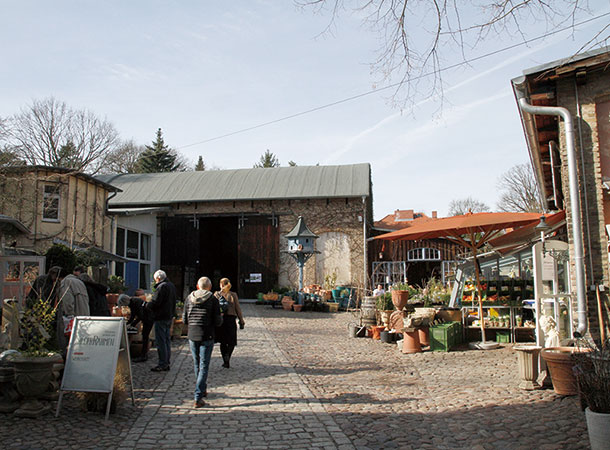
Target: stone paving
(298,381)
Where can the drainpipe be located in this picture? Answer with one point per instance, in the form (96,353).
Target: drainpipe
(365,244)
(581,297)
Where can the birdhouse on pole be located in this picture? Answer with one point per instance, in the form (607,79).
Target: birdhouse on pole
(301,238)
(301,246)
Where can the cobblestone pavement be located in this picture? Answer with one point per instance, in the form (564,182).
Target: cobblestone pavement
(297,381)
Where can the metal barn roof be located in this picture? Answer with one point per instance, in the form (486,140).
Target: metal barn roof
(297,182)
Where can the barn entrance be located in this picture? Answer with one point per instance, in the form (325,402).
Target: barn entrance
(243,249)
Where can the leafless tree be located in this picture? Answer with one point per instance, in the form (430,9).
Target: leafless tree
(124,159)
(468,204)
(519,190)
(419,38)
(49,132)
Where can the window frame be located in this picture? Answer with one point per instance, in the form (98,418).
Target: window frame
(51,196)
(142,284)
(427,254)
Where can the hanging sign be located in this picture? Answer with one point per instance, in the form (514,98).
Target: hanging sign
(97,344)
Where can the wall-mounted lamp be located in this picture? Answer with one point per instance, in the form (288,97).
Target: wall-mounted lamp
(542,227)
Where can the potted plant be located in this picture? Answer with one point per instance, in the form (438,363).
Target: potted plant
(400,295)
(385,305)
(34,362)
(116,286)
(592,371)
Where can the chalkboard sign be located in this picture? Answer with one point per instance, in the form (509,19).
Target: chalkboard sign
(96,345)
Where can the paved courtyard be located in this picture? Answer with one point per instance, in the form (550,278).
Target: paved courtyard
(297,381)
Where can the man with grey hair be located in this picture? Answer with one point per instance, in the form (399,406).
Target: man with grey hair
(201,315)
(163,306)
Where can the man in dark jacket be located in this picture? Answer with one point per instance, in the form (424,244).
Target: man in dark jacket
(201,315)
(163,306)
(98,306)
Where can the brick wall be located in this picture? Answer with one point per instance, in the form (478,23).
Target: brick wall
(570,95)
(338,215)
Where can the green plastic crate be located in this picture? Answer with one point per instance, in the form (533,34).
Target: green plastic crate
(503,337)
(445,336)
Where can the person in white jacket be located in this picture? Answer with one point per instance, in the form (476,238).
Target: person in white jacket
(74,299)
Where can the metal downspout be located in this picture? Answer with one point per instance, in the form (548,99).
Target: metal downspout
(365,245)
(581,297)
(582,165)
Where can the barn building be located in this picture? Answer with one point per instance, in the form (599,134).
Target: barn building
(231,223)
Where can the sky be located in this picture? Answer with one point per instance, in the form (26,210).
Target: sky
(202,70)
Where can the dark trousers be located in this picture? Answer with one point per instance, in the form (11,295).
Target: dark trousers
(146,329)
(163,341)
(226,350)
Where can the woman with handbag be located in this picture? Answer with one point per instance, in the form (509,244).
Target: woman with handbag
(226,334)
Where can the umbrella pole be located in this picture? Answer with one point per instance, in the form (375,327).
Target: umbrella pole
(479,289)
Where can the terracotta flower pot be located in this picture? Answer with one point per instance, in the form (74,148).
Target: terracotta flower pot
(400,299)
(560,363)
(112,300)
(424,336)
(297,308)
(287,303)
(376,332)
(411,342)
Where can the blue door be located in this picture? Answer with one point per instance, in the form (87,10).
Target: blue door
(132,273)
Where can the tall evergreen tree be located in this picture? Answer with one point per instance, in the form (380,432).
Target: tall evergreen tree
(200,166)
(158,157)
(267,160)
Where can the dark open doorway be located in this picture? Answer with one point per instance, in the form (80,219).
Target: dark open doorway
(219,247)
(192,248)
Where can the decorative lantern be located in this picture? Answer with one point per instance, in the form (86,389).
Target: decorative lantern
(301,246)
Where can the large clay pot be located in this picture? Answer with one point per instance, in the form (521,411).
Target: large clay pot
(32,378)
(424,336)
(112,300)
(560,363)
(385,317)
(400,299)
(527,355)
(411,342)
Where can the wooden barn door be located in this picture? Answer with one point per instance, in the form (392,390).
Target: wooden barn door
(259,256)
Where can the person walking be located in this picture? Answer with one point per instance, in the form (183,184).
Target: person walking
(226,334)
(163,306)
(201,315)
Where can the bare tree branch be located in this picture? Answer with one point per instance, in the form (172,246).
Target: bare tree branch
(418,37)
(520,191)
(49,132)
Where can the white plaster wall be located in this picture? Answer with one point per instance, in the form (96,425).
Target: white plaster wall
(334,257)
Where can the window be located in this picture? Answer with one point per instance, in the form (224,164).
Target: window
(120,241)
(424,254)
(132,250)
(136,247)
(145,246)
(144,276)
(50,203)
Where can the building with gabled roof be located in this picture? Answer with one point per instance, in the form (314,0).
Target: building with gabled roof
(232,223)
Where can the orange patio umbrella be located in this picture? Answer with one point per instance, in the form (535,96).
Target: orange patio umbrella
(471,230)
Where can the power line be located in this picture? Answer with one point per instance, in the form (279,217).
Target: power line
(390,86)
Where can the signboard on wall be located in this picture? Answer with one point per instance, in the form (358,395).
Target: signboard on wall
(256,278)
